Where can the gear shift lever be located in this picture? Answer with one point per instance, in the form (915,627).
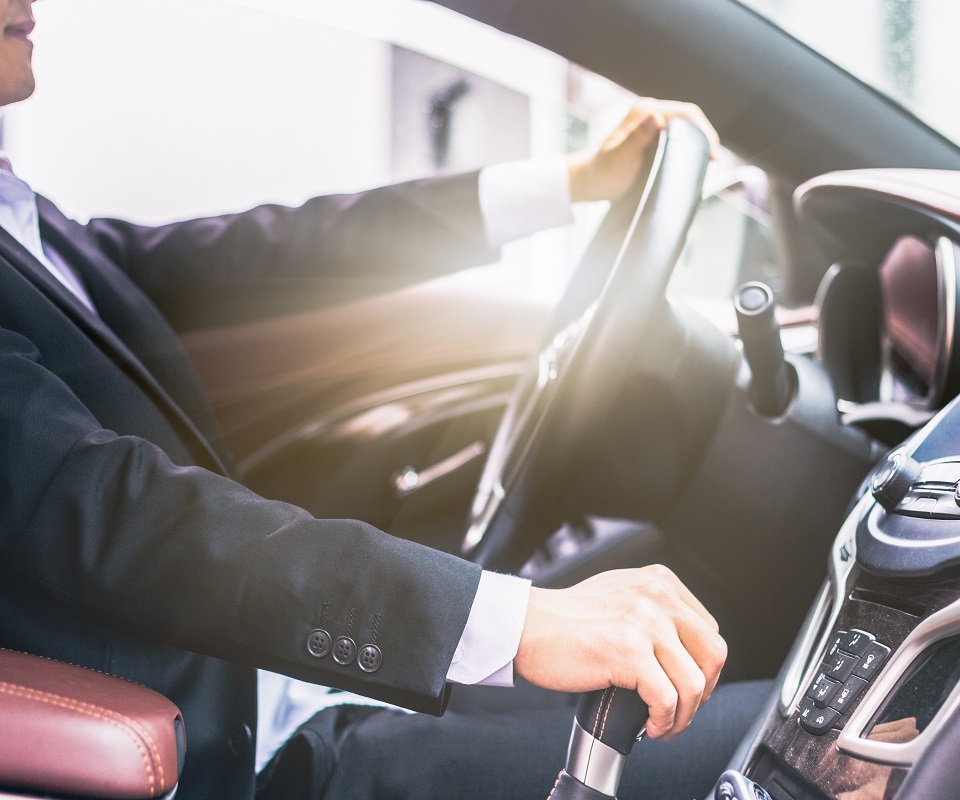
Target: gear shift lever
(607,724)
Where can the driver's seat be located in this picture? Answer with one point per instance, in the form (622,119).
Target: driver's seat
(66,731)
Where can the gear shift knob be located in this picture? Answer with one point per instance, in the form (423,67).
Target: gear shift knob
(607,724)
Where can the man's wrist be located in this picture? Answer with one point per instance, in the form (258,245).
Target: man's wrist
(521,198)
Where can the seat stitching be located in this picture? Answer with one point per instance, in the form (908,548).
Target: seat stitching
(140,729)
(70,664)
(117,720)
(151,742)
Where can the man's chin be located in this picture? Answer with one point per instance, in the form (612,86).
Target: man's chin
(14,94)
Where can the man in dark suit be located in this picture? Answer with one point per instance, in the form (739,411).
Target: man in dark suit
(125,544)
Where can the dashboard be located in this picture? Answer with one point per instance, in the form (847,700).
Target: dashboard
(867,705)
(889,302)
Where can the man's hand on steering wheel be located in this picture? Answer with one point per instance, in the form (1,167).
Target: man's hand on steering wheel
(639,629)
(607,172)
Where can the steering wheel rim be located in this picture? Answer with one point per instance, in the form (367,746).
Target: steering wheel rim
(555,404)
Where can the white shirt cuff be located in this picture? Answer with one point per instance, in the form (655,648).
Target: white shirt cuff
(491,637)
(520,198)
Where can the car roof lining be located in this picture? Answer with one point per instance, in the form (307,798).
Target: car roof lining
(777,103)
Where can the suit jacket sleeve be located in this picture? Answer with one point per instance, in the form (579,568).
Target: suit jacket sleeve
(118,533)
(104,515)
(272,258)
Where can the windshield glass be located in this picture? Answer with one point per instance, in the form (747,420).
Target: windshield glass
(903,48)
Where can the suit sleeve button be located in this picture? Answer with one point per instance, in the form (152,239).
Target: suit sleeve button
(344,650)
(318,643)
(370,658)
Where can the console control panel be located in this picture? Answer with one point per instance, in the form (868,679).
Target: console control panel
(852,660)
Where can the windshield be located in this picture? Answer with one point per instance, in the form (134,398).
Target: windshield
(903,48)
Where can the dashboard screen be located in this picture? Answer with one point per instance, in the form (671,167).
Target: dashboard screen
(908,288)
(921,695)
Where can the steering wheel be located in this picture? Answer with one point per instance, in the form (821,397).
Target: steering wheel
(591,349)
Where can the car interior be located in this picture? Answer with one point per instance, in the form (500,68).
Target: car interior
(794,457)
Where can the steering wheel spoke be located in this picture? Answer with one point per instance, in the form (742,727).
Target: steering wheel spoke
(571,383)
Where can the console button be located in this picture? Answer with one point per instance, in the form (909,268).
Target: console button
(807,707)
(821,677)
(823,690)
(871,660)
(816,720)
(848,693)
(839,638)
(917,504)
(947,507)
(839,666)
(855,642)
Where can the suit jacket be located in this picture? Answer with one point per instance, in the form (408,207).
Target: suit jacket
(125,545)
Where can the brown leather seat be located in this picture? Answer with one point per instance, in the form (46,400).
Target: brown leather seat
(70,731)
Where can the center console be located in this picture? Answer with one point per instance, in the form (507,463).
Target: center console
(873,679)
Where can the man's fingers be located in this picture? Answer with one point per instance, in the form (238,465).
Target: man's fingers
(608,172)
(695,605)
(640,629)
(709,651)
(666,110)
(699,635)
(691,652)
(688,682)
(658,692)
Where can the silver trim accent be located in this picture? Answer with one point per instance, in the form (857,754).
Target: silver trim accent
(478,527)
(820,623)
(799,659)
(946,319)
(846,406)
(933,629)
(594,763)
(409,480)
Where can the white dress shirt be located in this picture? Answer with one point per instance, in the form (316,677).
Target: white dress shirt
(19,217)
(516,199)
